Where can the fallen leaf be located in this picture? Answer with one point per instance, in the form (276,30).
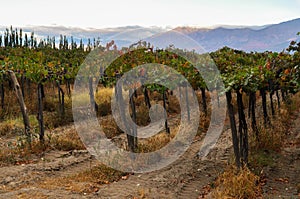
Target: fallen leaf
(285,180)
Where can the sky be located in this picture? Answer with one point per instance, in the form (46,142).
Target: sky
(162,13)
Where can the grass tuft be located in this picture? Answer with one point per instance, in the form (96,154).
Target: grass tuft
(236,183)
(67,141)
(87,181)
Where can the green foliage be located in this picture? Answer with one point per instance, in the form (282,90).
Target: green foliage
(44,62)
(252,71)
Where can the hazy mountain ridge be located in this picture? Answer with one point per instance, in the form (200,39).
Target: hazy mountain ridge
(274,37)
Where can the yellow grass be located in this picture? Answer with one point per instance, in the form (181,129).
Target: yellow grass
(87,181)
(236,184)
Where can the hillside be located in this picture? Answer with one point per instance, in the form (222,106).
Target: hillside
(273,37)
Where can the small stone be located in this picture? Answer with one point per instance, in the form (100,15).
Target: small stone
(8,179)
(13,184)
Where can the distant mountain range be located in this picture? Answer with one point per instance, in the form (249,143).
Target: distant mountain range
(274,37)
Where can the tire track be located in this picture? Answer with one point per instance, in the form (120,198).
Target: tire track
(55,164)
(182,179)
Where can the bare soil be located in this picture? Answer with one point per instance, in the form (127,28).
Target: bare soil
(187,177)
(283,177)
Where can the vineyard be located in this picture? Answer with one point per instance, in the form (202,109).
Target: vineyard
(37,82)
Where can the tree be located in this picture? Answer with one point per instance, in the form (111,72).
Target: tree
(17,38)
(26,42)
(81,45)
(32,40)
(21,37)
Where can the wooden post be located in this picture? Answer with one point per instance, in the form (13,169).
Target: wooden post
(61,100)
(166,116)
(278,99)
(134,130)
(252,100)
(204,100)
(264,104)
(23,108)
(22,85)
(272,103)
(68,87)
(28,85)
(92,97)
(271,93)
(146,96)
(121,106)
(40,112)
(243,129)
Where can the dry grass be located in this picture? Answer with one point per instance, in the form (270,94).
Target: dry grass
(15,127)
(294,103)
(9,128)
(162,139)
(20,152)
(242,183)
(104,94)
(87,181)
(66,141)
(156,96)
(12,108)
(54,119)
(236,184)
(103,99)
(157,141)
(109,126)
(142,115)
(50,105)
(271,138)
(174,106)
(100,174)
(7,156)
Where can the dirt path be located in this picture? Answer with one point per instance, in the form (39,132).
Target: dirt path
(185,178)
(19,180)
(182,179)
(283,178)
